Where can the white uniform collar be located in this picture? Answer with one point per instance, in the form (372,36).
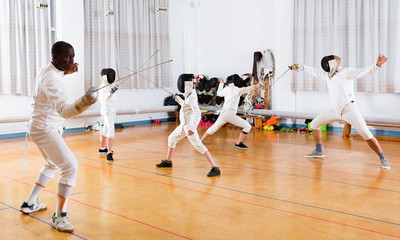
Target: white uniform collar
(56,69)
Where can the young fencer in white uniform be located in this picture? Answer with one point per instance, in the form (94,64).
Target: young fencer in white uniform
(341,91)
(108,111)
(189,117)
(232,95)
(50,108)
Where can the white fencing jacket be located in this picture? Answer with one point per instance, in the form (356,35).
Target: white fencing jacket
(341,85)
(50,102)
(232,95)
(107,99)
(189,115)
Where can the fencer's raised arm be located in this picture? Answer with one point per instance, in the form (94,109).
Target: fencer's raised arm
(315,72)
(381,60)
(220,93)
(245,90)
(55,92)
(354,73)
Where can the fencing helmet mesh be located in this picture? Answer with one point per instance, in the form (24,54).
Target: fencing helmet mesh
(219,101)
(325,62)
(207,99)
(200,86)
(200,98)
(186,77)
(213,82)
(110,73)
(245,82)
(207,86)
(329,64)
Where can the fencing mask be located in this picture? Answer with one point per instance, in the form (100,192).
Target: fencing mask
(213,82)
(185,83)
(328,63)
(219,101)
(107,75)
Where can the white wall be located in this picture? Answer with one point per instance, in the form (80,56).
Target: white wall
(230,31)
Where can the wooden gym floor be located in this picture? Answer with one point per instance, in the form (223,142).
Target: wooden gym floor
(269,191)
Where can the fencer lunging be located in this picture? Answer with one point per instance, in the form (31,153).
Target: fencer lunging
(189,117)
(108,111)
(341,91)
(232,95)
(50,107)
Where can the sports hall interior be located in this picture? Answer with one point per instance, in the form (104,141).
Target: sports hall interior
(268,191)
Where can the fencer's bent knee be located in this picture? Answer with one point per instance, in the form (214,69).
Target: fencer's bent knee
(314,125)
(365,134)
(70,167)
(198,145)
(171,141)
(213,128)
(247,129)
(68,173)
(49,170)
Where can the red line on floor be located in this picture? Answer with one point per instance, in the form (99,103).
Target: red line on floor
(113,213)
(237,200)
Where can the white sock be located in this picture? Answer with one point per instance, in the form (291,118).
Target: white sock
(63,193)
(40,183)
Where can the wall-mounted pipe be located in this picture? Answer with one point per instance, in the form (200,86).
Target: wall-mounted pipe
(302,115)
(96,113)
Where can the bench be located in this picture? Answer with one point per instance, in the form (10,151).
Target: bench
(257,120)
(347,131)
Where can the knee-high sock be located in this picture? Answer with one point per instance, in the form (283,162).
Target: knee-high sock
(63,193)
(40,183)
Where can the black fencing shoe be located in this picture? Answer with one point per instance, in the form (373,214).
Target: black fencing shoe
(110,156)
(164,163)
(214,172)
(241,145)
(103,150)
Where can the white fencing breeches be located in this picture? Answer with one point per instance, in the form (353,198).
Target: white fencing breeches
(107,129)
(350,114)
(57,155)
(179,133)
(228,116)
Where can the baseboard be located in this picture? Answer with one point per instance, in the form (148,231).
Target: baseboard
(375,132)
